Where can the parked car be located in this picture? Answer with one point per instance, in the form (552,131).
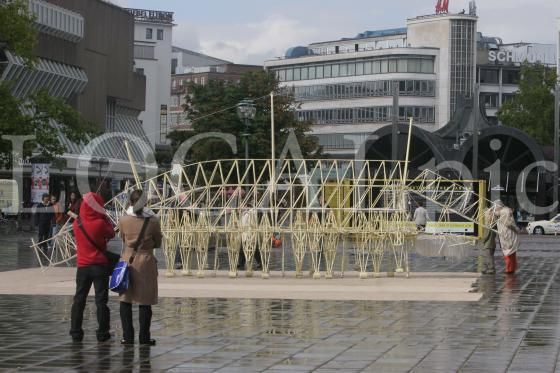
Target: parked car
(551,226)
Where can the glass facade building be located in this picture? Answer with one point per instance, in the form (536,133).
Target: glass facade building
(376,88)
(462,62)
(375,114)
(347,85)
(410,64)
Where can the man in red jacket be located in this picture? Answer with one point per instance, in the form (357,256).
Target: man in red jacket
(91,241)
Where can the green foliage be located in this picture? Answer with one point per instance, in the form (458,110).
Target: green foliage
(212,108)
(45,117)
(532,108)
(17,33)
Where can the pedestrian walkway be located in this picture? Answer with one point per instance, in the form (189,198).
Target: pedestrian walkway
(514,327)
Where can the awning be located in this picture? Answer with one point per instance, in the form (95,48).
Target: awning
(61,80)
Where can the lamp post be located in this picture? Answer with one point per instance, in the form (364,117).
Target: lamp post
(395,124)
(475,131)
(556,139)
(99,162)
(246,111)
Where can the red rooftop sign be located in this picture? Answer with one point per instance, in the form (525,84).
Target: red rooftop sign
(442,6)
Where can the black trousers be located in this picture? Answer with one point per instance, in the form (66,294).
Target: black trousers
(144,318)
(44,234)
(85,277)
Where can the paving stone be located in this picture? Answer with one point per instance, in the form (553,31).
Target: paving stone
(514,327)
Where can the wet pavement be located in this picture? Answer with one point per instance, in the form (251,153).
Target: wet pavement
(515,327)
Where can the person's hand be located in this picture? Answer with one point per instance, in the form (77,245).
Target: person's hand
(72,214)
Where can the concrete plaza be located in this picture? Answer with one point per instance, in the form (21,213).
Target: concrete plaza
(514,326)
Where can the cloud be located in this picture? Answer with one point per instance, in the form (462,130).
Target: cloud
(256,42)
(185,35)
(121,3)
(519,20)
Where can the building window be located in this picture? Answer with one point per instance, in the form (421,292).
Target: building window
(312,72)
(379,88)
(144,52)
(149,32)
(290,74)
(175,100)
(392,66)
(490,100)
(384,66)
(159,34)
(343,70)
(507,97)
(402,66)
(360,68)
(510,76)
(372,114)
(489,76)
(367,68)
(335,71)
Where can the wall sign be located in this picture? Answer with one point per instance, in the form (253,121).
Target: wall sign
(39,181)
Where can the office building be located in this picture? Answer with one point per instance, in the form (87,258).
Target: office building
(345,90)
(85,56)
(152,57)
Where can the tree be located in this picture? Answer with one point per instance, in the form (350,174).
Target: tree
(47,118)
(532,108)
(212,108)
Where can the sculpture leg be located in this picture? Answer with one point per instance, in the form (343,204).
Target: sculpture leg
(298,247)
(233,252)
(265,250)
(186,256)
(330,254)
(169,251)
(202,252)
(377,257)
(362,256)
(316,261)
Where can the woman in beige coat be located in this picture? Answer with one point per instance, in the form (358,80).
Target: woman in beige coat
(143,286)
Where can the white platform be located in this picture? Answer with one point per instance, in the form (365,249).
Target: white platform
(421,286)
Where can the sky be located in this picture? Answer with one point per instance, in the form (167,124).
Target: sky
(252,31)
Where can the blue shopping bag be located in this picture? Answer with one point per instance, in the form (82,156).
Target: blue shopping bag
(119,277)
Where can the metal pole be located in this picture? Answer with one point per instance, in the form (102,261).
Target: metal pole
(272,161)
(405,173)
(556,140)
(272,141)
(475,132)
(395,133)
(246,143)
(132,165)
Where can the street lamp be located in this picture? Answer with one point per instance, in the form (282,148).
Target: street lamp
(99,162)
(556,140)
(246,111)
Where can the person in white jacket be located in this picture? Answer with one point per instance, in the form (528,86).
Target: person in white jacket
(420,216)
(249,236)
